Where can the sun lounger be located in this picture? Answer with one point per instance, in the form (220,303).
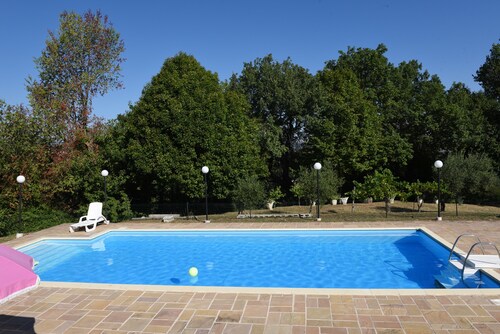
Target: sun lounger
(94,216)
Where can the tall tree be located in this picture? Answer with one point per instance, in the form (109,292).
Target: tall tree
(280,97)
(347,130)
(469,176)
(464,123)
(488,74)
(426,113)
(183,121)
(81,60)
(20,153)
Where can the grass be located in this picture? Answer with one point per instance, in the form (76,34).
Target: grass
(400,211)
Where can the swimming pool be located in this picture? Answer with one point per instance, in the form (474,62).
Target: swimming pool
(396,259)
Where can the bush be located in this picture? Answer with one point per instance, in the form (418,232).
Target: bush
(329,183)
(6,222)
(113,209)
(249,194)
(33,219)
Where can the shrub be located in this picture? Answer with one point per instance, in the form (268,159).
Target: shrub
(249,194)
(33,219)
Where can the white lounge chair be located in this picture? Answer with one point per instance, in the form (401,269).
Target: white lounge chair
(90,221)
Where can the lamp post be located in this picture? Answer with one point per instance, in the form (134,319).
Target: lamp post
(205,171)
(439,164)
(104,174)
(317,166)
(20,179)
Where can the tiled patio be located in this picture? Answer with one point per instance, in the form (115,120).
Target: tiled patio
(55,309)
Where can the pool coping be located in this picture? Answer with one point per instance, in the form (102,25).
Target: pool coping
(269,290)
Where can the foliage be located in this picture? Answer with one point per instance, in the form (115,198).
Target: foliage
(381,185)
(55,144)
(280,95)
(469,176)
(183,121)
(420,190)
(346,128)
(21,152)
(249,194)
(7,222)
(62,179)
(33,219)
(329,183)
(488,74)
(298,190)
(363,94)
(81,60)
(275,194)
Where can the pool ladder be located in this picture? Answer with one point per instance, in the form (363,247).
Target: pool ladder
(471,264)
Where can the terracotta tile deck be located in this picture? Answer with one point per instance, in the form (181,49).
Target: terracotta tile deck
(56,309)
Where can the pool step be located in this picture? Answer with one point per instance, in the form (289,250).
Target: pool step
(53,257)
(450,278)
(471,263)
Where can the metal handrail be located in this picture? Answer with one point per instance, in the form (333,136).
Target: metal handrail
(464,235)
(470,250)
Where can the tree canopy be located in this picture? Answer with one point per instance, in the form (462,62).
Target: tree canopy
(280,97)
(488,75)
(81,60)
(183,121)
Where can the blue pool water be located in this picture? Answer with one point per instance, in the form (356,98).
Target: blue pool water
(397,259)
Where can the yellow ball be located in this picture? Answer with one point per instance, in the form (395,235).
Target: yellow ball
(193,271)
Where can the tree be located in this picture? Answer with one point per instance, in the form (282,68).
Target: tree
(418,191)
(347,130)
(249,194)
(185,120)
(272,196)
(298,190)
(380,185)
(469,176)
(280,96)
(329,183)
(58,183)
(488,74)
(463,122)
(81,60)
(20,153)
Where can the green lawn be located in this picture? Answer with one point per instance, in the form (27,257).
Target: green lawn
(405,211)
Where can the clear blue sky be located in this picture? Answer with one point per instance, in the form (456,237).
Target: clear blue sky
(451,38)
